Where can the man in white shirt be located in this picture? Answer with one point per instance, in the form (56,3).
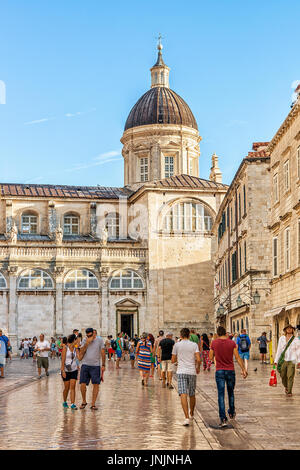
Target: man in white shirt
(42,349)
(291,357)
(187,355)
(26,348)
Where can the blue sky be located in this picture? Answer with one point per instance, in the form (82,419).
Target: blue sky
(73,69)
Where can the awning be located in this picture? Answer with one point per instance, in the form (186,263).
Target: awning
(274,311)
(294,305)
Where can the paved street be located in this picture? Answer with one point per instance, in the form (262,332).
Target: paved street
(133,417)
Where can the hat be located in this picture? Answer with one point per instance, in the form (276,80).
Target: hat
(89,330)
(288,326)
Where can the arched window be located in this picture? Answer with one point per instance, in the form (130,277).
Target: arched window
(112,223)
(126,280)
(188,217)
(29,223)
(71,224)
(3,284)
(35,279)
(81,279)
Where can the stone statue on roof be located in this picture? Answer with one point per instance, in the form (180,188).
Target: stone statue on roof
(59,235)
(104,235)
(13,234)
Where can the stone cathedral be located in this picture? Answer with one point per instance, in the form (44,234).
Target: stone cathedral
(135,258)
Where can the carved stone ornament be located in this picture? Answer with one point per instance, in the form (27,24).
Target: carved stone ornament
(12,234)
(59,235)
(104,236)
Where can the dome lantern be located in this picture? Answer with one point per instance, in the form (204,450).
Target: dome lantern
(159,71)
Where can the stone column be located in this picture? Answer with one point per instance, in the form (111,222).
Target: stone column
(9,220)
(52,222)
(12,308)
(123,217)
(104,325)
(58,310)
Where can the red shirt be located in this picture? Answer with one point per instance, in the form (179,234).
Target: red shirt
(223,349)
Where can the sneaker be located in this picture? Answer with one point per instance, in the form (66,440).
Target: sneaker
(223,423)
(39,376)
(65,404)
(74,407)
(186,422)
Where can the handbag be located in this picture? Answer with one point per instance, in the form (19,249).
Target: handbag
(281,359)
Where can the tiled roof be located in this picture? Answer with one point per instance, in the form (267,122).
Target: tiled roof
(187,181)
(256,145)
(57,191)
(259,154)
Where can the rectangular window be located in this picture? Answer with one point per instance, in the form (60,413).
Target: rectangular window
(190,166)
(298,162)
(275,256)
(233,267)
(245,205)
(245,257)
(169,167)
(275,188)
(231,220)
(144,169)
(228,217)
(287,248)
(240,209)
(286,175)
(226,280)
(240,260)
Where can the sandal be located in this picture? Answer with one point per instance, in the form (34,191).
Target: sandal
(94,407)
(83,405)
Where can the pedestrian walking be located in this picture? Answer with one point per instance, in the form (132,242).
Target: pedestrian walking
(244,344)
(187,355)
(92,355)
(287,355)
(33,343)
(132,353)
(152,356)
(69,371)
(26,348)
(3,352)
(194,337)
(5,339)
(53,348)
(205,352)
(263,346)
(165,357)
(119,350)
(143,352)
(223,350)
(161,336)
(42,348)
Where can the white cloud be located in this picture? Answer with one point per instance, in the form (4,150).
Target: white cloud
(112,153)
(38,121)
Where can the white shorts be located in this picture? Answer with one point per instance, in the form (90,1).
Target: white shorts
(167,366)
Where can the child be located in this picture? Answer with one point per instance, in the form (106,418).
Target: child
(132,353)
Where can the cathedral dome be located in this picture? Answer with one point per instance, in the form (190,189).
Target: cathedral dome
(160,105)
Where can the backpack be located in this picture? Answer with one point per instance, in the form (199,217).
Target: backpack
(114,344)
(243,344)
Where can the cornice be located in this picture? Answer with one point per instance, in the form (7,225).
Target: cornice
(284,126)
(286,216)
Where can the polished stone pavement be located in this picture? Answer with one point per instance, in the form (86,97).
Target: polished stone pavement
(133,417)
(129,416)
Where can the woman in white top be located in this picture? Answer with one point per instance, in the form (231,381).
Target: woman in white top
(69,370)
(291,357)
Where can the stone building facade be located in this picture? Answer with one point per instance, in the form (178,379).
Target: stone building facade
(284,227)
(243,253)
(136,258)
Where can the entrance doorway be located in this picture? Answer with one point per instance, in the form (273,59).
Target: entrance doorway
(127,324)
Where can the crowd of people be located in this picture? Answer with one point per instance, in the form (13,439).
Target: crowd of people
(84,357)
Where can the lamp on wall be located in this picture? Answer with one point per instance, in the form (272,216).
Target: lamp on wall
(221,309)
(256,297)
(239,301)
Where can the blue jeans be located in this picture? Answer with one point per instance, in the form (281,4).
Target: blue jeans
(228,377)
